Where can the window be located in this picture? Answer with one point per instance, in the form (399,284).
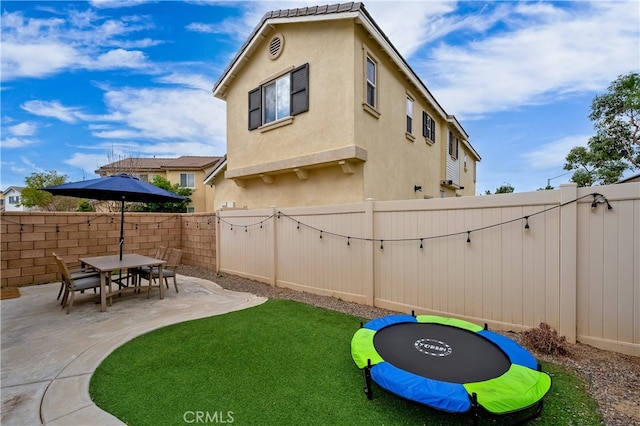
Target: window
(453,146)
(283,97)
(187,180)
(277,99)
(372,71)
(465,162)
(409,115)
(428,127)
(14,199)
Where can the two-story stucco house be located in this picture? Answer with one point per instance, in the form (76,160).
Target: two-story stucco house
(188,171)
(322,109)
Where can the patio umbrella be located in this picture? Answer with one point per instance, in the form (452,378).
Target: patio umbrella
(121,187)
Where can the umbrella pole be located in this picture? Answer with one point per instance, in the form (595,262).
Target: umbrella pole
(121,227)
(120,285)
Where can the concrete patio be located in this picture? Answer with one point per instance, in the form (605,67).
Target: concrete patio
(48,357)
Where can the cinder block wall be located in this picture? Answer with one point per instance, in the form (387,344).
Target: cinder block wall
(198,242)
(28,238)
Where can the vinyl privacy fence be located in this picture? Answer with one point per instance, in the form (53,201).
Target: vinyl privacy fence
(562,257)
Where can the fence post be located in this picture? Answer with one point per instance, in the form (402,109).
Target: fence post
(369,265)
(568,262)
(216,217)
(274,240)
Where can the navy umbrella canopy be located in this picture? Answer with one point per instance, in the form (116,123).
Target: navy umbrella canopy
(120,187)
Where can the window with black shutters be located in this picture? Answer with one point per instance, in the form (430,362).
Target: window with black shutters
(285,96)
(428,127)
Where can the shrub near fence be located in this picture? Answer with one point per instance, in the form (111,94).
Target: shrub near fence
(510,260)
(29,238)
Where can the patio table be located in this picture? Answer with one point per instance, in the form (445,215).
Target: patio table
(106,265)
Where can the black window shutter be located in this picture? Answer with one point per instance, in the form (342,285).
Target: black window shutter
(255,108)
(300,89)
(425,124)
(433,129)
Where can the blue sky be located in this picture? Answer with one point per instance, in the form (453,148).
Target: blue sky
(88,83)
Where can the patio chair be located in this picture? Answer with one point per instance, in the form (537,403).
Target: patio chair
(73,284)
(169,269)
(77,271)
(162,252)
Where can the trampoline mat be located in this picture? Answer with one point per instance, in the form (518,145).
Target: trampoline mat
(441,352)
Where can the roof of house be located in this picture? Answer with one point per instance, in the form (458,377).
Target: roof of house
(632,178)
(14,188)
(209,178)
(185,162)
(351,10)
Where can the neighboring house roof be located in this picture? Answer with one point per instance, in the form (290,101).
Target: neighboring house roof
(17,189)
(185,162)
(352,10)
(632,178)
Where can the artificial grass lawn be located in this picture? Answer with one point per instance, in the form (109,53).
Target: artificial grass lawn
(280,363)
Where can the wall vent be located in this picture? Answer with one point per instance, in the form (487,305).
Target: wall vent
(275,46)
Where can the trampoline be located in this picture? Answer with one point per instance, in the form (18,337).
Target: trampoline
(448,364)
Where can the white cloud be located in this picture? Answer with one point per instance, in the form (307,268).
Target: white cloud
(35,60)
(51,109)
(194,81)
(14,142)
(554,52)
(409,25)
(43,47)
(553,154)
(88,162)
(179,116)
(120,58)
(22,129)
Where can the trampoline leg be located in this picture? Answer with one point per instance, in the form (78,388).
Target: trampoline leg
(367,380)
(475,407)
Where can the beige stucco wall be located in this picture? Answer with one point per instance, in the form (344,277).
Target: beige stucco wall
(201,194)
(395,163)
(322,46)
(391,164)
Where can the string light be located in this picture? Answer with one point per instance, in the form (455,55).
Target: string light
(597,199)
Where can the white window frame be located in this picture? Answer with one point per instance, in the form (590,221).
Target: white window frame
(186,180)
(368,56)
(371,85)
(282,87)
(410,104)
